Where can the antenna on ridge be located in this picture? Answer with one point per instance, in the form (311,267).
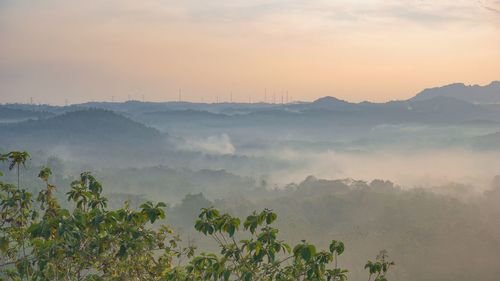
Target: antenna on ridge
(265,95)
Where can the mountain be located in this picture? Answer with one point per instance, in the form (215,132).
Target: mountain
(328,103)
(331,103)
(138,107)
(473,93)
(93,128)
(12,114)
(487,142)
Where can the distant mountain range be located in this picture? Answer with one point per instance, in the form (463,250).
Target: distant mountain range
(475,94)
(127,123)
(10,114)
(450,104)
(489,94)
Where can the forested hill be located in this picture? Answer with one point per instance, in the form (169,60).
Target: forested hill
(12,114)
(91,128)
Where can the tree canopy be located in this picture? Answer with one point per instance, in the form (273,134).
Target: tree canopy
(40,240)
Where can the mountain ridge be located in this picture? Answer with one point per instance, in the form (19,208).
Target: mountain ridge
(486,94)
(82,127)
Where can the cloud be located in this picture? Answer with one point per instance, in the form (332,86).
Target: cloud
(238,11)
(339,11)
(218,144)
(95,49)
(493,10)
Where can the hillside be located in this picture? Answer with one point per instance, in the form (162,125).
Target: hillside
(489,94)
(12,114)
(93,127)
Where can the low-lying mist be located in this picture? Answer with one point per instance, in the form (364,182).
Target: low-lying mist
(426,192)
(418,168)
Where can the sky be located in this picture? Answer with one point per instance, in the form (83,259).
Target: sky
(67,51)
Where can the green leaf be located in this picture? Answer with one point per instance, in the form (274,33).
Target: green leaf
(4,244)
(307,252)
(122,252)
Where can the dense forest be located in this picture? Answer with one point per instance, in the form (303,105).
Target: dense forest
(40,240)
(416,226)
(417,179)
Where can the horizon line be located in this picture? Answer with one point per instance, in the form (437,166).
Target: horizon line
(261,102)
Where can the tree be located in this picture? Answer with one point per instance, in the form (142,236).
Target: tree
(378,269)
(91,242)
(16,159)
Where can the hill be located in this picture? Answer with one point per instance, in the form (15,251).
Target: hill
(471,93)
(12,114)
(94,128)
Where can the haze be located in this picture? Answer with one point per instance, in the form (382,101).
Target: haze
(69,51)
(371,122)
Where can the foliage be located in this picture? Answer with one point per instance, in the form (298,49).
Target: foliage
(379,268)
(40,240)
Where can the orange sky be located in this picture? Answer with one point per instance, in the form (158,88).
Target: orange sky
(374,50)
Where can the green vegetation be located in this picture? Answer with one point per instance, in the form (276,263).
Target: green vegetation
(40,240)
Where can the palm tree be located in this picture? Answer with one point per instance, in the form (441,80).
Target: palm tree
(16,159)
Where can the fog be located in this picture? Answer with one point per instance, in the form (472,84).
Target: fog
(218,144)
(408,168)
(427,190)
